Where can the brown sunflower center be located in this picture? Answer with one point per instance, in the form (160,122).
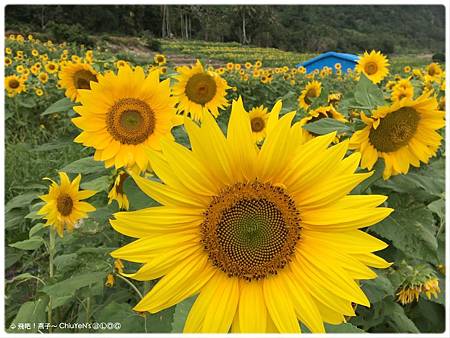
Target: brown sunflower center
(64,204)
(310,94)
(251,230)
(82,79)
(371,68)
(14,84)
(160,58)
(201,88)
(51,67)
(130,121)
(395,130)
(431,71)
(257,124)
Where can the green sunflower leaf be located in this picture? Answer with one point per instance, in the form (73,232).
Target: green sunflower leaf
(31,313)
(368,95)
(62,105)
(85,165)
(29,244)
(326,125)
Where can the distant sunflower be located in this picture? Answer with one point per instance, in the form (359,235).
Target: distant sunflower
(43,77)
(407,69)
(160,59)
(318,114)
(51,67)
(261,121)
(403,134)
(399,93)
(374,66)
(266,237)
(199,91)
(8,62)
(14,85)
(125,114)
(312,90)
(434,71)
(63,207)
(76,76)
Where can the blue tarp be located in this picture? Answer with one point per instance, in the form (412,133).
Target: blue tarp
(330,59)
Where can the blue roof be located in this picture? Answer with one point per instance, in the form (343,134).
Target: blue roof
(343,56)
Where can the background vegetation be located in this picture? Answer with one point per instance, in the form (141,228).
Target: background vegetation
(295,28)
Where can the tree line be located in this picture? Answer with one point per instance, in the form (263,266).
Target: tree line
(304,28)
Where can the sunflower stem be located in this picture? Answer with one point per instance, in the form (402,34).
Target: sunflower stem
(51,256)
(88,309)
(131,284)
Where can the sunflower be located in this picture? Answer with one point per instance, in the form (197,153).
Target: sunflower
(14,85)
(261,121)
(399,93)
(199,91)
(117,194)
(373,65)
(434,72)
(76,76)
(160,59)
(258,64)
(338,66)
(43,77)
(248,65)
(334,98)
(39,92)
(51,67)
(312,90)
(63,207)
(265,237)
(8,62)
(123,115)
(121,63)
(403,134)
(407,69)
(318,114)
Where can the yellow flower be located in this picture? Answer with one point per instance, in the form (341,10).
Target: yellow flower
(121,63)
(35,52)
(408,294)
(230,66)
(248,65)
(63,206)
(109,280)
(302,70)
(8,51)
(258,64)
(14,85)
(160,59)
(237,66)
(118,265)
(403,134)
(8,62)
(434,72)
(312,90)
(407,69)
(43,77)
(318,114)
(259,118)
(39,92)
(266,237)
(124,115)
(338,66)
(373,65)
(431,288)
(334,98)
(51,67)
(76,76)
(199,91)
(75,58)
(117,194)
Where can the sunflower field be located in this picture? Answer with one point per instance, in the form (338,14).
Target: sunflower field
(244,197)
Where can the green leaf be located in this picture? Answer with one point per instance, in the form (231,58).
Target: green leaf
(98,184)
(32,313)
(138,200)
(379,288)
(85,165)
(122,313)
(36,229)
(412,231)
(181,311)
(396,316)
(12,257)
(326,125)
(62,105)
(367,183)
(438,207)
(29,244)
(21,201)
(69,286)
(367,94)
(342,328)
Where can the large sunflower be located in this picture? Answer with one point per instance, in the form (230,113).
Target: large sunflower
(265,237)
(312,90)
(63,206)
(76,76)
(373,65)
(14,85)
(403,134)
(200,91)
(124,114)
